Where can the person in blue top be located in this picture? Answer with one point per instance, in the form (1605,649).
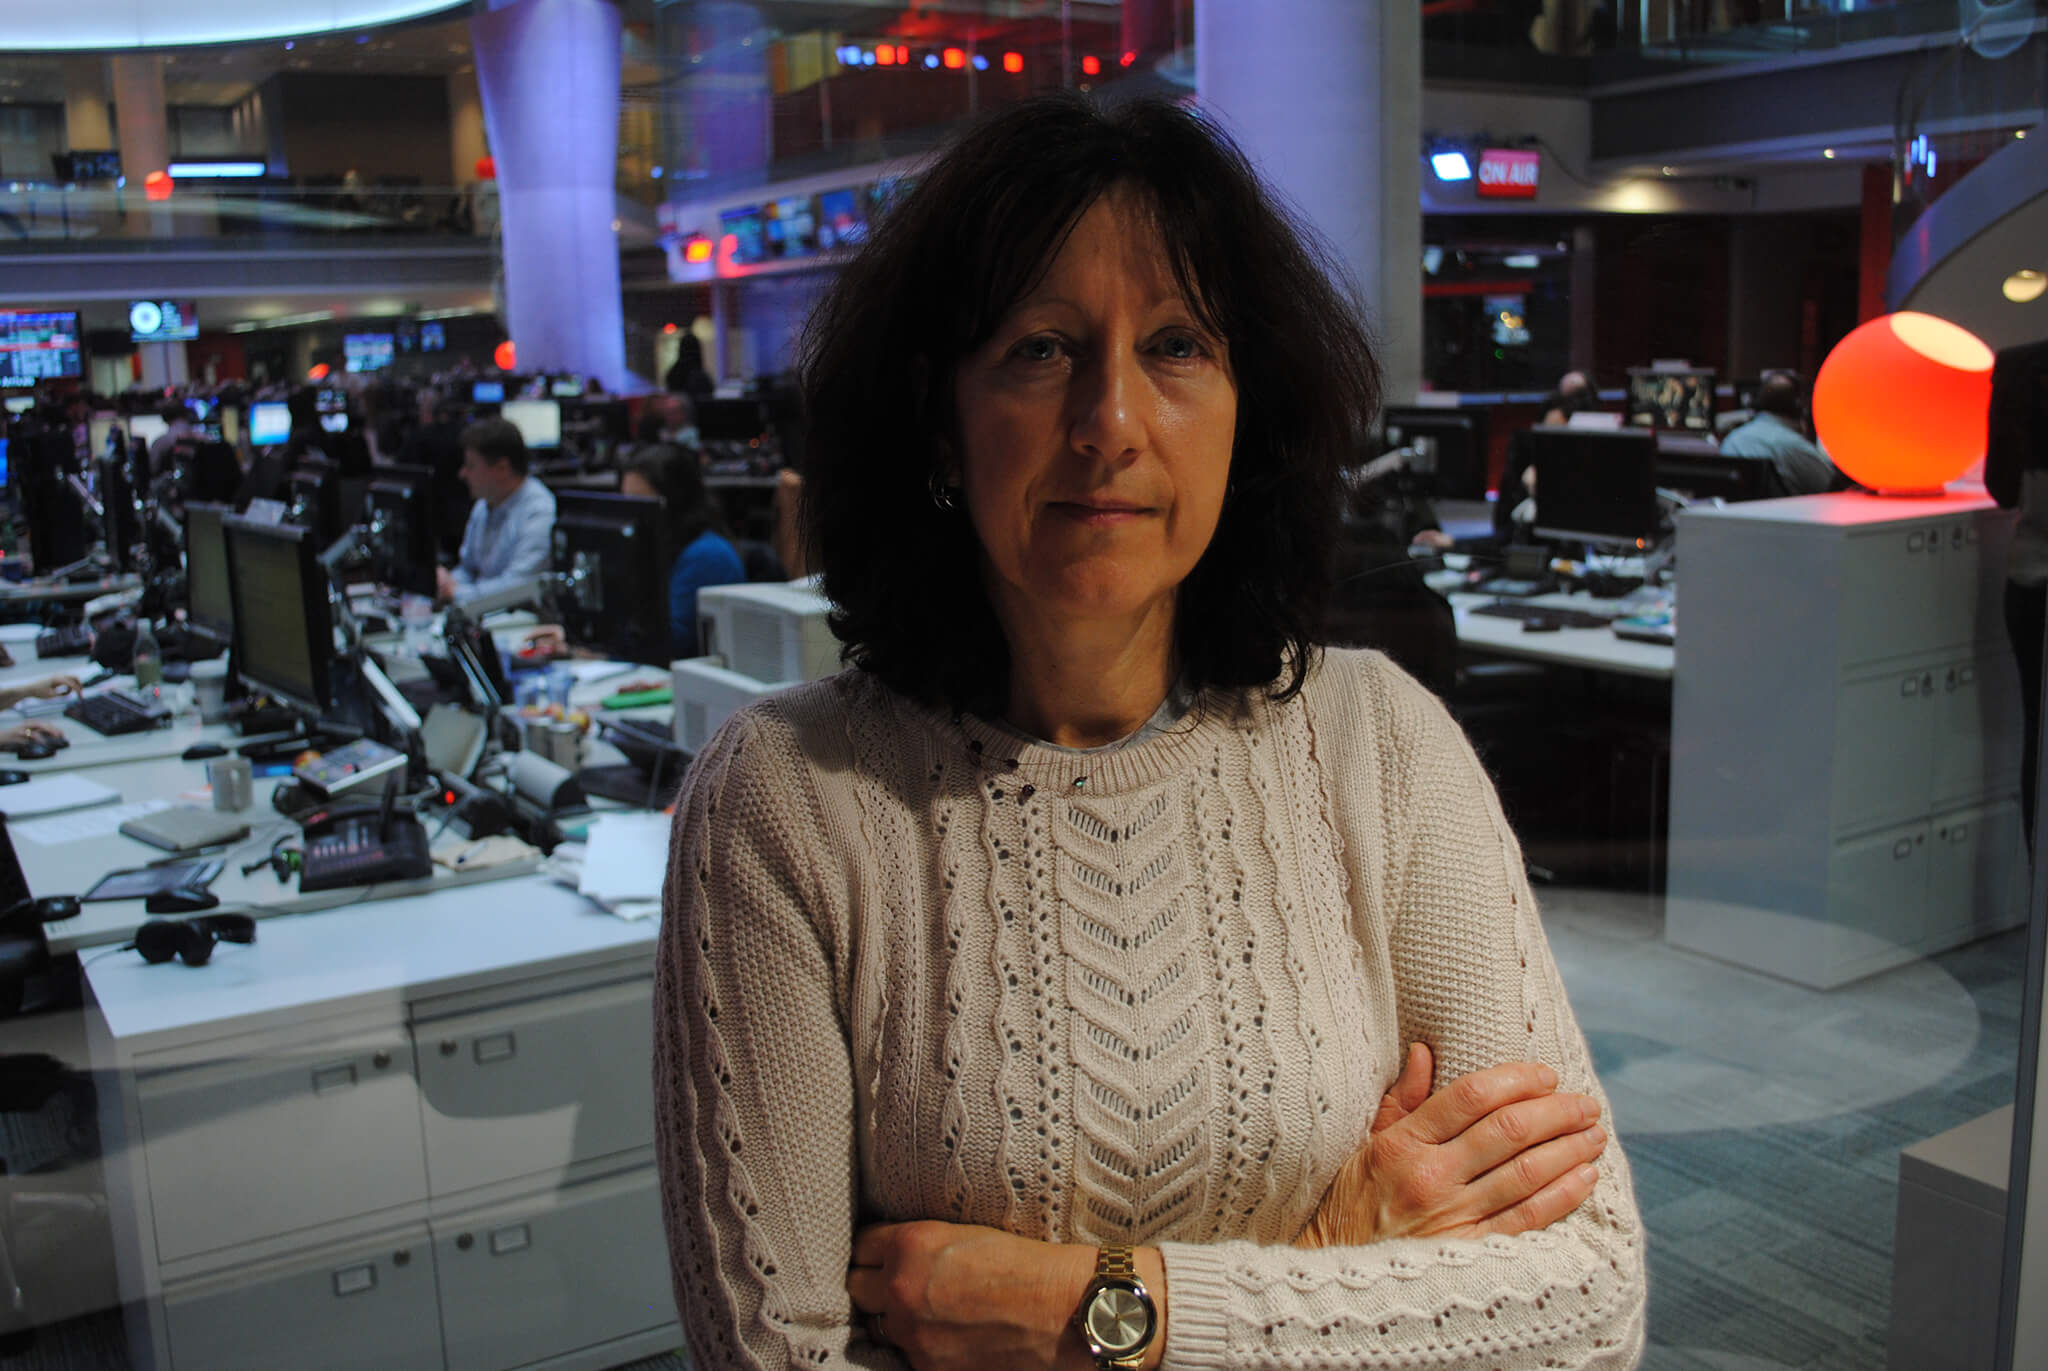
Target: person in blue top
(705,556)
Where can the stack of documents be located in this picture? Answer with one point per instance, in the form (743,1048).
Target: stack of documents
(625,862)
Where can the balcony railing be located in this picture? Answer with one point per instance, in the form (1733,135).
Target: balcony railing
(47,217)
(1967,101)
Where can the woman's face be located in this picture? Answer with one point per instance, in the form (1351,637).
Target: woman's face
(1095,431)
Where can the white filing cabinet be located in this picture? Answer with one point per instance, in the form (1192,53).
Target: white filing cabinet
(440,1157)
(1845,751)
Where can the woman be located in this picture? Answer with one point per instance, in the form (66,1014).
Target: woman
(1087,954)
(704,555)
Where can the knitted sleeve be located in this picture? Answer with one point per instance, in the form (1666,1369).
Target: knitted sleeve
(753,1083)
(1477,983)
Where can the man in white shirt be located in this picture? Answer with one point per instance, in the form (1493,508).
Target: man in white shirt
(511,526)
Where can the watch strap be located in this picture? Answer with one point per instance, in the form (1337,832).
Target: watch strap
(1116,1262)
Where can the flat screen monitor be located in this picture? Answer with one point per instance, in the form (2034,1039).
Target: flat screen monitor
(147,428)
(749,233)
(284,630)
(730,421)
(313,500)
(539,421)
(399,510)
(163,321)
(487,393)
(20,404)
(1457,439)
(209,601)
(38,345)
(1671,399)
(433,336)
(1693,466)
(3,463)
(367,351)
(334,423)
(623,541)
(331,401)
(270,423)
(791,227)
(566,387)
(1594,487)
(842,220)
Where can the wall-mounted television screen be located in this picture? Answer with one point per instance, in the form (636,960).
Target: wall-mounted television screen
(367,351)
(842,220)
(746,227)
(38,345)
(163,321)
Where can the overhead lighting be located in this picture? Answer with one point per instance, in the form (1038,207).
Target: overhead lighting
(1522,261)
(216,171)
(1013,62)
(2019,133)
(1451,166)
(2025,286)
(1670,171)
(931,61)
(1828,153)
(981,61)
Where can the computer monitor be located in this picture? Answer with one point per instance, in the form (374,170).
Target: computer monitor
(1459,438)
(331,401)
(733,421)
(38,345)
(539,421)
(487,393)
(399,511)
(20,404)
(313,500)
(283,627)
(748,232)
(146,428)
(1595,487)
(566,387)
(367,351)
(842,219)
(1693,466)
(334,423)
(1671,399)
(209,600)
(270,423)
(621,540)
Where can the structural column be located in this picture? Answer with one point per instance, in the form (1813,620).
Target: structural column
(87,127)
(549,73)
(143,122)
(1325,96)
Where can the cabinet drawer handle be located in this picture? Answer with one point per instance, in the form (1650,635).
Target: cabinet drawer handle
(355,1280)
(1927,684)
(381,1060)
(1902,849)
(328,1078)
(449,1047)
(509,1240)
(465,1241)
(495,1048)
(402,1257)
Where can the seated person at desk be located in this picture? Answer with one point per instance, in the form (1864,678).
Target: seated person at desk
(1777,435)
(19,736)
(178,416)
(512,522)
(704,555)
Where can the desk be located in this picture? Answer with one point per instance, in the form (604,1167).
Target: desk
(14,594)
(418,1134)
(71,868)
(1596,649)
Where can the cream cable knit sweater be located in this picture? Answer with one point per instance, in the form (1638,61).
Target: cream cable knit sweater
(916,968)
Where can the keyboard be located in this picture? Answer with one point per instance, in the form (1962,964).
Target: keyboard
(114,712)
(1523,610)
(354,855)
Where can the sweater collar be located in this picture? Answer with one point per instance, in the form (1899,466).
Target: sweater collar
(1174,752)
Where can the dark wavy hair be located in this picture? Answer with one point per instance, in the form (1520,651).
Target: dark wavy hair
(977,231)
(679,478)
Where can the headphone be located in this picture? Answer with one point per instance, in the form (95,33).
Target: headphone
(191,939)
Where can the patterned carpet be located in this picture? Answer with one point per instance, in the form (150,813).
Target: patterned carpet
(1763,1122)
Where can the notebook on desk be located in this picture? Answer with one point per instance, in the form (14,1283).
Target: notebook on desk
(186,827)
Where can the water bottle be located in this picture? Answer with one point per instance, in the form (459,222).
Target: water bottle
(149,658)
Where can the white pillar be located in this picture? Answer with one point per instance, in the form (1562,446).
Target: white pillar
(87,127)
(467,140)
(143,122)
(1326,98)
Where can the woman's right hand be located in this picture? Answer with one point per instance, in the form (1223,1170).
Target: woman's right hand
(1500,1151)
(22,735)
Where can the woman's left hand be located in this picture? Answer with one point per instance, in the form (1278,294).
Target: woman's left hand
(950,1295)
(50,687)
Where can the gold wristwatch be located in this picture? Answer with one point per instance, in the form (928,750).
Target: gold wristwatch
(1116,1317)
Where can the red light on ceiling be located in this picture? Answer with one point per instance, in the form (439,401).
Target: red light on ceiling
(699,250)
(955,58)
(1091,66)
(317,372)
(1128,58)
(505,355)
(885,55)
(671,329)
(1013,62)
(157,185)
(486,168)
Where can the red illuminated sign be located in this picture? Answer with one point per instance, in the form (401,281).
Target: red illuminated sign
(1509,174)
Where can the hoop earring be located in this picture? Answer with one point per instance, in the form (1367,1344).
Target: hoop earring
(946,497)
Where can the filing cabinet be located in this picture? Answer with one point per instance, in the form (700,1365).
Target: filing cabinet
(1845,734)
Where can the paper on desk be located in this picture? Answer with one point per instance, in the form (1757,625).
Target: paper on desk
(103,822)
(54,795)
(20,633)
(626,858)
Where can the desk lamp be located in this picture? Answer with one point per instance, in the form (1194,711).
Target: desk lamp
(1903,403)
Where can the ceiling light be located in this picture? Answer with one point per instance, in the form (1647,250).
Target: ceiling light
(1670,171)
(1451,166)
(1828,153)
(2019,133)
(2025,286)
(1522,261)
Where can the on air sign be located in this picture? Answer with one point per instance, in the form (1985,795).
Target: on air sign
(1509,173)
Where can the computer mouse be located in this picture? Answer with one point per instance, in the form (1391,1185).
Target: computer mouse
(11,777)
(34,752)
(54,908)
(182,900)
(200,752)
(1541,625)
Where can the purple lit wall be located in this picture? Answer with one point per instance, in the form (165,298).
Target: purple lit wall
(549,73)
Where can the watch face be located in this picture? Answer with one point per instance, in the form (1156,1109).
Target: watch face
(1118,1320)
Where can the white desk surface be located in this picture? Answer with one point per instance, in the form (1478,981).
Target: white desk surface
(365,958)
(72,868)
(1596,649)
(31,592)
(93,749)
